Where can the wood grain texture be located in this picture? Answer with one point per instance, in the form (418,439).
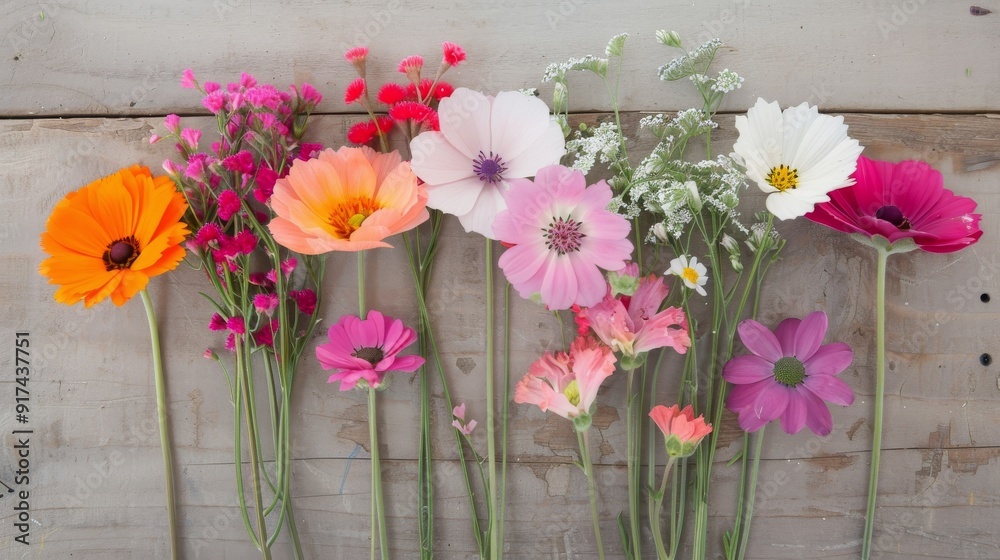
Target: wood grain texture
(118,57)
(96,467)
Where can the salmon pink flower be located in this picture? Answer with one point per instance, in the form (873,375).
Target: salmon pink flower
(567,383)
(563,235)
(346,200)
(682,432)
(788,375)
(367,350)
(899,201)
(797,156)
(634,325)
(484,142)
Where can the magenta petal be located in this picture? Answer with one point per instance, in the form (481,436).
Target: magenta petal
(794,418)
(749,421)
(407,363)
(743,396)
(829,359)
(759,340)
(743,370)
(810,335)
(818,417)
(772,401)
(785,333)
(830,388)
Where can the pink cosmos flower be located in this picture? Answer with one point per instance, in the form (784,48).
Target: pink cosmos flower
(902,200)
(635,325)
(682,432)
(459,423)
(367,350)
(788,375)
(567,383)
(484,142)
(562,236)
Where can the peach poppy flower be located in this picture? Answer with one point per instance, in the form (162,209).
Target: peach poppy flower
(111,236)
(346,200)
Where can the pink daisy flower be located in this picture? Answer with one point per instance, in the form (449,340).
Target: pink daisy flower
(788,375)
(902,200)
(484,142)
(367,350)
(562,236)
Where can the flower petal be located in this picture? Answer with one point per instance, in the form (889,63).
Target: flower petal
(759,340)
(829,359)
(794,417)
(743,370)
(830,388)
(810,335)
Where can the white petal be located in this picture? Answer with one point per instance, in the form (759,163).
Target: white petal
(456,198)
(465,121)
(787,206)
(517,122)
(547,150)
(436,161)
(480,218)
(797,123)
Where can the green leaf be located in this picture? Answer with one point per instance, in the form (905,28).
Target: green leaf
(616,45)
(593,64)
(737,457)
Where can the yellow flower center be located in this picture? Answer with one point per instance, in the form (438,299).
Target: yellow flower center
(783,178)
(691,275)
(572,393)
(348,215)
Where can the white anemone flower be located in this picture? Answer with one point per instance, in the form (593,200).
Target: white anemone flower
(693,273)
(797,156)
(483,143)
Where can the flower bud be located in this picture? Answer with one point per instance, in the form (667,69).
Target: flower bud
(693,198)
(669,38)
(660,232)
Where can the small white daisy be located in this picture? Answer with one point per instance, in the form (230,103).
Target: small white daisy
(693,273)
(797,156)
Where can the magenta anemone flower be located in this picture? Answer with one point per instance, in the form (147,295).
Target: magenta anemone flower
(788,375)
(902,200)
(567,383)
(367,350)
(562,236)
(634,325)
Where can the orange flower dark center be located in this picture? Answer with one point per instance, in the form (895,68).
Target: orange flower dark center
(894,216)
(121,254)
(371,355)
(348,216)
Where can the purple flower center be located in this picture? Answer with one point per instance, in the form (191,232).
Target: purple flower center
(564,236)
(789,371)
(894,216)
(372,355)
(490,168)
(121,254)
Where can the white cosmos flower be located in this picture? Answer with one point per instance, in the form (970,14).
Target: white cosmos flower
(483,143)
(693,273)
(798,156)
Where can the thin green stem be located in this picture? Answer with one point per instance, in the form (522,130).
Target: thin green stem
(632,464)
(252,437)
(751,495)
(588,469)
(377,498)
(866,543)
(506,405)
(161,412)
(496,539)
(361,285)
(656,505)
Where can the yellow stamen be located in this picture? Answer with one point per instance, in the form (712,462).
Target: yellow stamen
(690,274)
(572,393)
(348,215)
(783,178)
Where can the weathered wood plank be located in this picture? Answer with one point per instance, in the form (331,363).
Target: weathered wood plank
(94,397)
(118,57)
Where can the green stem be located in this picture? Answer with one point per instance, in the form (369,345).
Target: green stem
(656,505)
(751,495)
(252,437)
(377,498)
(588,469)
(161,409)
(361,285)
(506,405)
(866,543)
(496,539)
(632,464)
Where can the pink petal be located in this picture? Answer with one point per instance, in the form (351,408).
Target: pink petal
(794,418)
(785,333)
(772,401)
(743,396)
(818,417)
(521,262)
(810,335)
(829,359)
(759,340)
(830,388)
(521,132)
(591,285)
(559,286)
(743,370)
(406,363)
(749,421)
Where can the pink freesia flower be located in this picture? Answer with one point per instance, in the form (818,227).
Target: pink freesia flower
(902,200)
(567,383)
(367,350)
(484,142)
(459,423)
(562,236)
(681,430)
(635,325)
(788,375)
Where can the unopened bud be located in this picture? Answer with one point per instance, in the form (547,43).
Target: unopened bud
(669,38)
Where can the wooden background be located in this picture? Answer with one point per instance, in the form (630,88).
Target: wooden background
(84,83)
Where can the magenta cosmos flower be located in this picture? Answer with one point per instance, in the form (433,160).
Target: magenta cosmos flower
(484,142)
(567,383)
(789,375)
(902,200)
(367,350)
(562,236)
(634,325)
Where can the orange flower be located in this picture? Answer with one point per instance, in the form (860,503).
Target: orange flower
(111,236)
(346,200)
